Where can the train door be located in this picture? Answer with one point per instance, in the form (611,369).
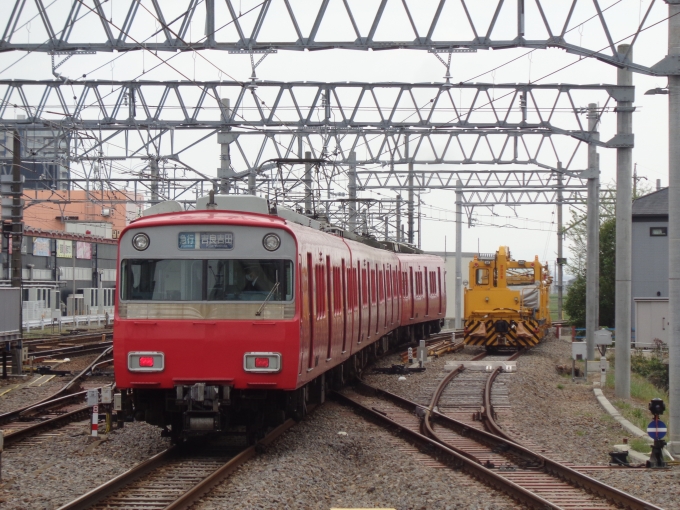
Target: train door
(374,299)
(412,296)
(343,275)
(383,293)
(427,292)
(363,300)
(310,303)
(356,310)
(439,288)
(331,306)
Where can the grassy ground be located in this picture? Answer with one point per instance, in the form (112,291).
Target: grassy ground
(635,409)
(553,308)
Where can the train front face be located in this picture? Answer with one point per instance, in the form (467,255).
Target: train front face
(206,328)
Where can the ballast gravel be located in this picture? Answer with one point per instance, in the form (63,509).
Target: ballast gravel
(336,458)
(50,470)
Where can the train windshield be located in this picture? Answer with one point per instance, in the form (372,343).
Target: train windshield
(207,280)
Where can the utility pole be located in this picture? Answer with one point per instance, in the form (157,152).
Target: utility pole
(352,192)
(153,168)
(17,236)
(411,201)
(307,181)
(560,241)
(224,138)
(624,224)
(593,236)
(673,227)
(399,238)
(459,255)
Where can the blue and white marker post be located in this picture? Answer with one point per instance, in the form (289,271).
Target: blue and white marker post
(657,431)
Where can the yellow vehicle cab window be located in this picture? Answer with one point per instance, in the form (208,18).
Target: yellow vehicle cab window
(482,277)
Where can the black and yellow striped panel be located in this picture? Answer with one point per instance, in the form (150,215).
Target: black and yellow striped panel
(491,337)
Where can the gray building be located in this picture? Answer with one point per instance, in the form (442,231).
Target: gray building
(44,157)
(650,268)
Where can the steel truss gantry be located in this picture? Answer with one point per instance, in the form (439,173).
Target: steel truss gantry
(443,123)
(436,26)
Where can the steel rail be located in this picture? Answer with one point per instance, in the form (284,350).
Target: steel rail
(555,468)
(189,497)
(21,434)
(478,470)
(53,398)
(470,466)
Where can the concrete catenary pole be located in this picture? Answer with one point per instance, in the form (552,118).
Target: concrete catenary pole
(153,169)
(17,236)
(411,199)
(307,181)
(624,224)
(224,138)
(459,256)
(352,192)
(399,239)
(560,242)
(674,232)
(593,237)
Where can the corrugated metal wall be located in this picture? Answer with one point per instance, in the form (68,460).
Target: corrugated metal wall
(10,311)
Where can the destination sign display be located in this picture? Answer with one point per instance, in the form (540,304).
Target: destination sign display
(205,240)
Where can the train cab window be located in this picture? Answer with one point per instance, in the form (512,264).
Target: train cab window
(482,277)
(249,280)
(162,280)
(211,280)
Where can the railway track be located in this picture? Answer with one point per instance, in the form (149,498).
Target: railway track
(60,408)
(175,478)
(458,423)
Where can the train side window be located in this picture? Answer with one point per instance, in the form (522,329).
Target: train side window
(482,277)
(364,288)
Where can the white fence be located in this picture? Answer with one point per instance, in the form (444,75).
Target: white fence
(78,320)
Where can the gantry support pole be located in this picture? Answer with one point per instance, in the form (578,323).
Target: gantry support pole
(307,181)
(16,240)
(624,224)
(560,242)
(153,169)
(459,255)
(411,197)
(674,231)
(224,138)
(593,237)
(399,239)
(352,192)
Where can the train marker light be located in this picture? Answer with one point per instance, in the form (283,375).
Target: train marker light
(147,361)
(140,242)
(263,362)
(271,242)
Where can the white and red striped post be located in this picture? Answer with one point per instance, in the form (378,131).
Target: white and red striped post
(95,420)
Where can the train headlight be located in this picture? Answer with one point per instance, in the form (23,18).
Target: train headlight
(271,242)
(140,242)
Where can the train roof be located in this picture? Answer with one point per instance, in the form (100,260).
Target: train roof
(253,210)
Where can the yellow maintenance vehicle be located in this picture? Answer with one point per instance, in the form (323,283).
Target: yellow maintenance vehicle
(506,301)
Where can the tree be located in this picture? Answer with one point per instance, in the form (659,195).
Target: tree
(575,302)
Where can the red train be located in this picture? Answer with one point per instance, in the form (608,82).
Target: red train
(238,314)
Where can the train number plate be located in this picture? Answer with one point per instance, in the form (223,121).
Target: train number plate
(205,240)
